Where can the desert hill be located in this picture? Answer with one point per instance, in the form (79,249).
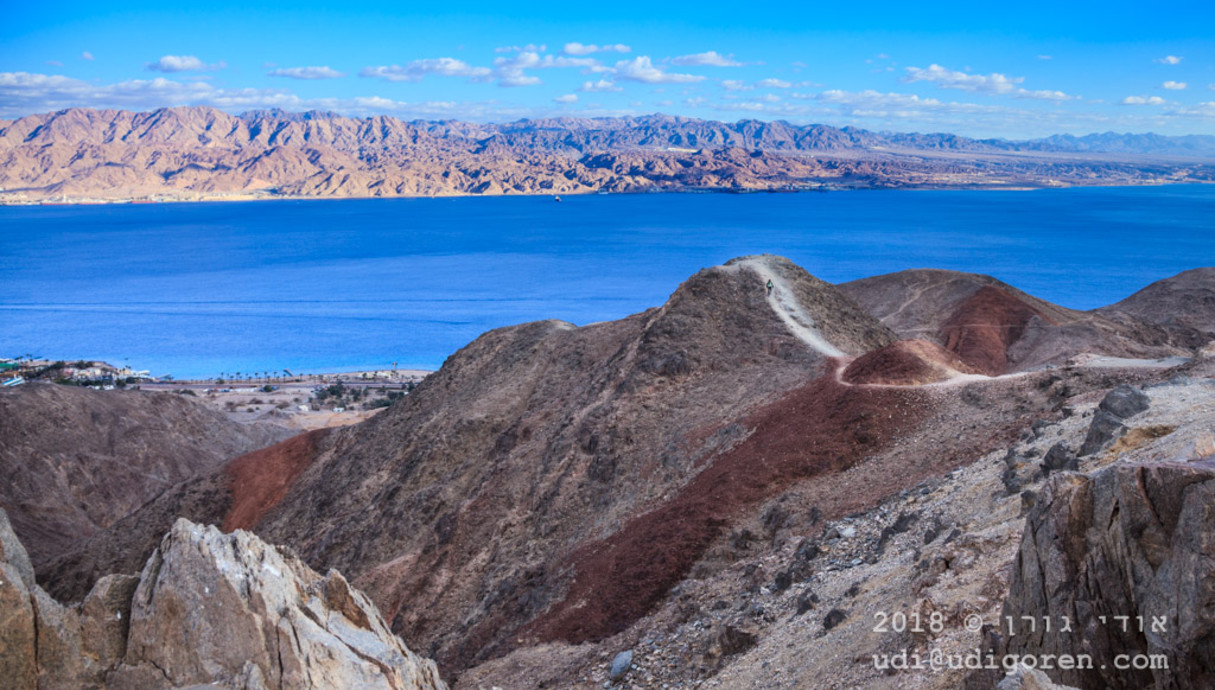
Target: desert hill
(198,152)
(996,328)
(75,460)
(1184,304)
(553,484)
(529,441)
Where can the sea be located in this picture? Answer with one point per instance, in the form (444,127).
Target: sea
(197,290)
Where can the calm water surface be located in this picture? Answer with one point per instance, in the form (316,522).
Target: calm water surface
(199,289)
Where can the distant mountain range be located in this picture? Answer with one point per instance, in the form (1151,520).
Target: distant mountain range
(196,152)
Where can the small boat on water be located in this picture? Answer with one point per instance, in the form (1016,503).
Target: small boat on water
(556,198)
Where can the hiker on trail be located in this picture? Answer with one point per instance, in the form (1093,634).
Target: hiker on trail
(769,286)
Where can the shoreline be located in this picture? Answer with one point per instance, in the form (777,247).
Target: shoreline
(817,188)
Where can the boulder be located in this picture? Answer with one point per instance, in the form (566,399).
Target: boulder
(1059,458)
(1119,405)
(228,608)
(621,664)
(1125,401)
(1127,556)
(209,609)
(1019,472)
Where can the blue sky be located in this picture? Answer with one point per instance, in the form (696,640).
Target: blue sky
(980,69)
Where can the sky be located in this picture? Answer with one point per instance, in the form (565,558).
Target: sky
(980,69)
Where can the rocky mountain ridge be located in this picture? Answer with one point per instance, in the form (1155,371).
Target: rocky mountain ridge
(198,152)
(551,489)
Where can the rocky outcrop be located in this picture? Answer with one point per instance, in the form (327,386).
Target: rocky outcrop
(77,460)
(1108,425)
(208,609)
(1127,557)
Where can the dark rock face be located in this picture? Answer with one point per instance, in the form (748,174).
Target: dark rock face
(1127,555)
(1120,404)
(1125,401)
(1059,458)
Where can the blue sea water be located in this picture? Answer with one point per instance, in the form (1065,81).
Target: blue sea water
(199,289)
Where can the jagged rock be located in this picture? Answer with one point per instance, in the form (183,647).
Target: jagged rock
(1105,428)
(1120,404)
(18,633)
(1125,401)
(210,604)
(1133,541)
(833,618)
(731,640)
(13,553)
(209,609)
(1060,458)
(621,664)
(1019,472)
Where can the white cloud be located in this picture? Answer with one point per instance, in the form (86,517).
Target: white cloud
(1045,95)
(1143,100)
(86,55)
(306,73)
(54,63)
(773,84)
(181,63)
(414,71)
(567,98)
(642,69)
(1203,110)
(995,83)
(529,48)
(24,93)
(1169,60)
(575,48)
(952,79)
(601,86)
(770,98)
(735,85)
(709,59)
(511,72)
(1174,85)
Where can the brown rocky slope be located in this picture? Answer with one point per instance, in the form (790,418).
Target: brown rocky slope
(468,497)
(1184,304)
(77,460)
(553,484)
(996,328)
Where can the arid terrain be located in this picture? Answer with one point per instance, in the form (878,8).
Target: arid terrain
(739,488)
(194,153)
